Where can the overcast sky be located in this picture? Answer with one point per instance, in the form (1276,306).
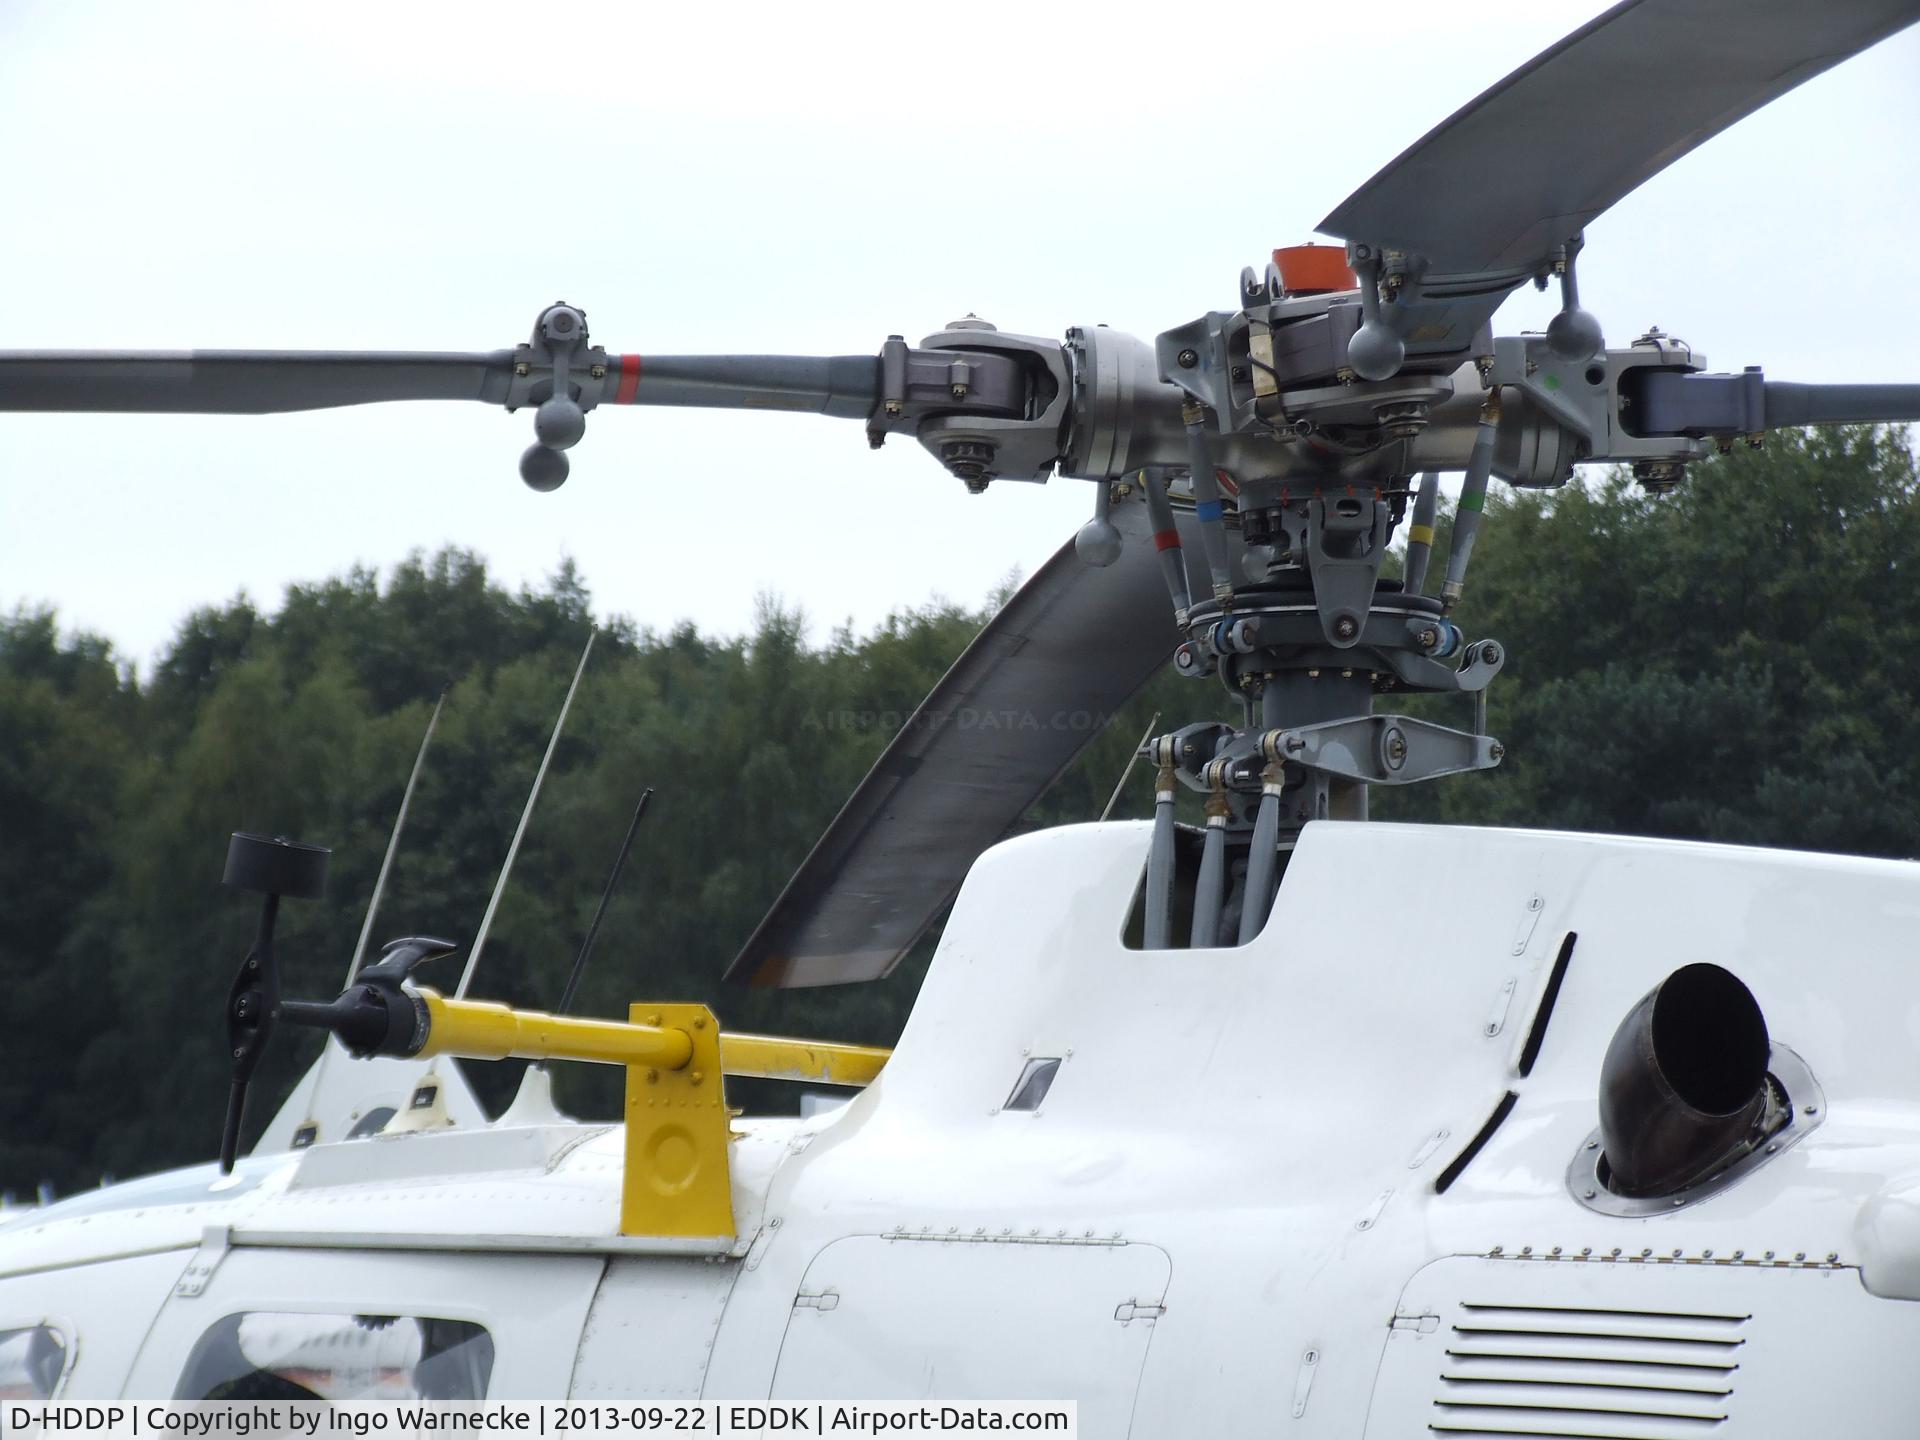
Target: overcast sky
(799,178)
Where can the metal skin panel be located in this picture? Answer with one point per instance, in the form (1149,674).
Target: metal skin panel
(1034,687)
(650,1331)
(881,1318)
(1524,167)
(1267,1114)
(103,1312)
(1632,1349)
(532,1306)
(1272,1117)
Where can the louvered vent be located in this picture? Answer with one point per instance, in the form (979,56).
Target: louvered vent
(1543,1370)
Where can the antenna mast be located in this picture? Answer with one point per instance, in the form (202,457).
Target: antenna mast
(539,779)
(393,840)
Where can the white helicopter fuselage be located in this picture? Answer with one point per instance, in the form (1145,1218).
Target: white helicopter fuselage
(1223,1217)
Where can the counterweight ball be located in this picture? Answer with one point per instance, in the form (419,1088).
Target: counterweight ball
(543,469)
(559,423)
(1375,352)
(1097,543)
(1574,334)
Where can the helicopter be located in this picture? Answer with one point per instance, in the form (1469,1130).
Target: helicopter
(1174,1131)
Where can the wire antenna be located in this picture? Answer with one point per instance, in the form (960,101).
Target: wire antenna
(533,796)
(393,840)
(1132,760)
(600,910)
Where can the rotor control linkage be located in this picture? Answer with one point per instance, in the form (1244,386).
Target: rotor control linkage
(1473,501)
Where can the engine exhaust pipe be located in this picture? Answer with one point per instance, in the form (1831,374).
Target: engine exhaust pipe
(1683,1088)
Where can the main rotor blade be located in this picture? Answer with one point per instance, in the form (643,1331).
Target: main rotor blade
(1034,687)
(1678,403)
(243,382)
(1522,169)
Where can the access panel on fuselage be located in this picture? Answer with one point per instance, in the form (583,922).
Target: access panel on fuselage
(897,1318)
(650,1333)
(1646,1347)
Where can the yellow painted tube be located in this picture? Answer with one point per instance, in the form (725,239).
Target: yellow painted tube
(774,1057)
(481,1030)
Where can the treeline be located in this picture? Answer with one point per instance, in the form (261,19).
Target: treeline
(1735,661)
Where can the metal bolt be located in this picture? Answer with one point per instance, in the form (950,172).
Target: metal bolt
(1312,1357)
(598,372)
(1497,750)
(1588,1194)
(1188,359)
(1813,1109)
(893,408)
(1427,639)
(1832,1255)
(1345,628)
(522,370)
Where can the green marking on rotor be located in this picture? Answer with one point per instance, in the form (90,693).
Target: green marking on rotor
(1473,499)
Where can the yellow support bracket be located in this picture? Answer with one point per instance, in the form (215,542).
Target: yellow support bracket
(677,1181)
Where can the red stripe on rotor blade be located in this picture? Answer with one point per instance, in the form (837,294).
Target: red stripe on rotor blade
(629,380)
(1166,539)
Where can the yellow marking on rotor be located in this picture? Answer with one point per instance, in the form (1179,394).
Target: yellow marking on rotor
(1420,534)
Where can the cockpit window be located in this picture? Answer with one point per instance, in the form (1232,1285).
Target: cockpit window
(275,1355)
(32,1362)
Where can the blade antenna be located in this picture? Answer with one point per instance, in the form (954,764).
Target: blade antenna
(600,910)
(393,840)
(1426,503)
(1132,760)
(500,885)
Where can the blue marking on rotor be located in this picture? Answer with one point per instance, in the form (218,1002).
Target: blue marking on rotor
(1210,510)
